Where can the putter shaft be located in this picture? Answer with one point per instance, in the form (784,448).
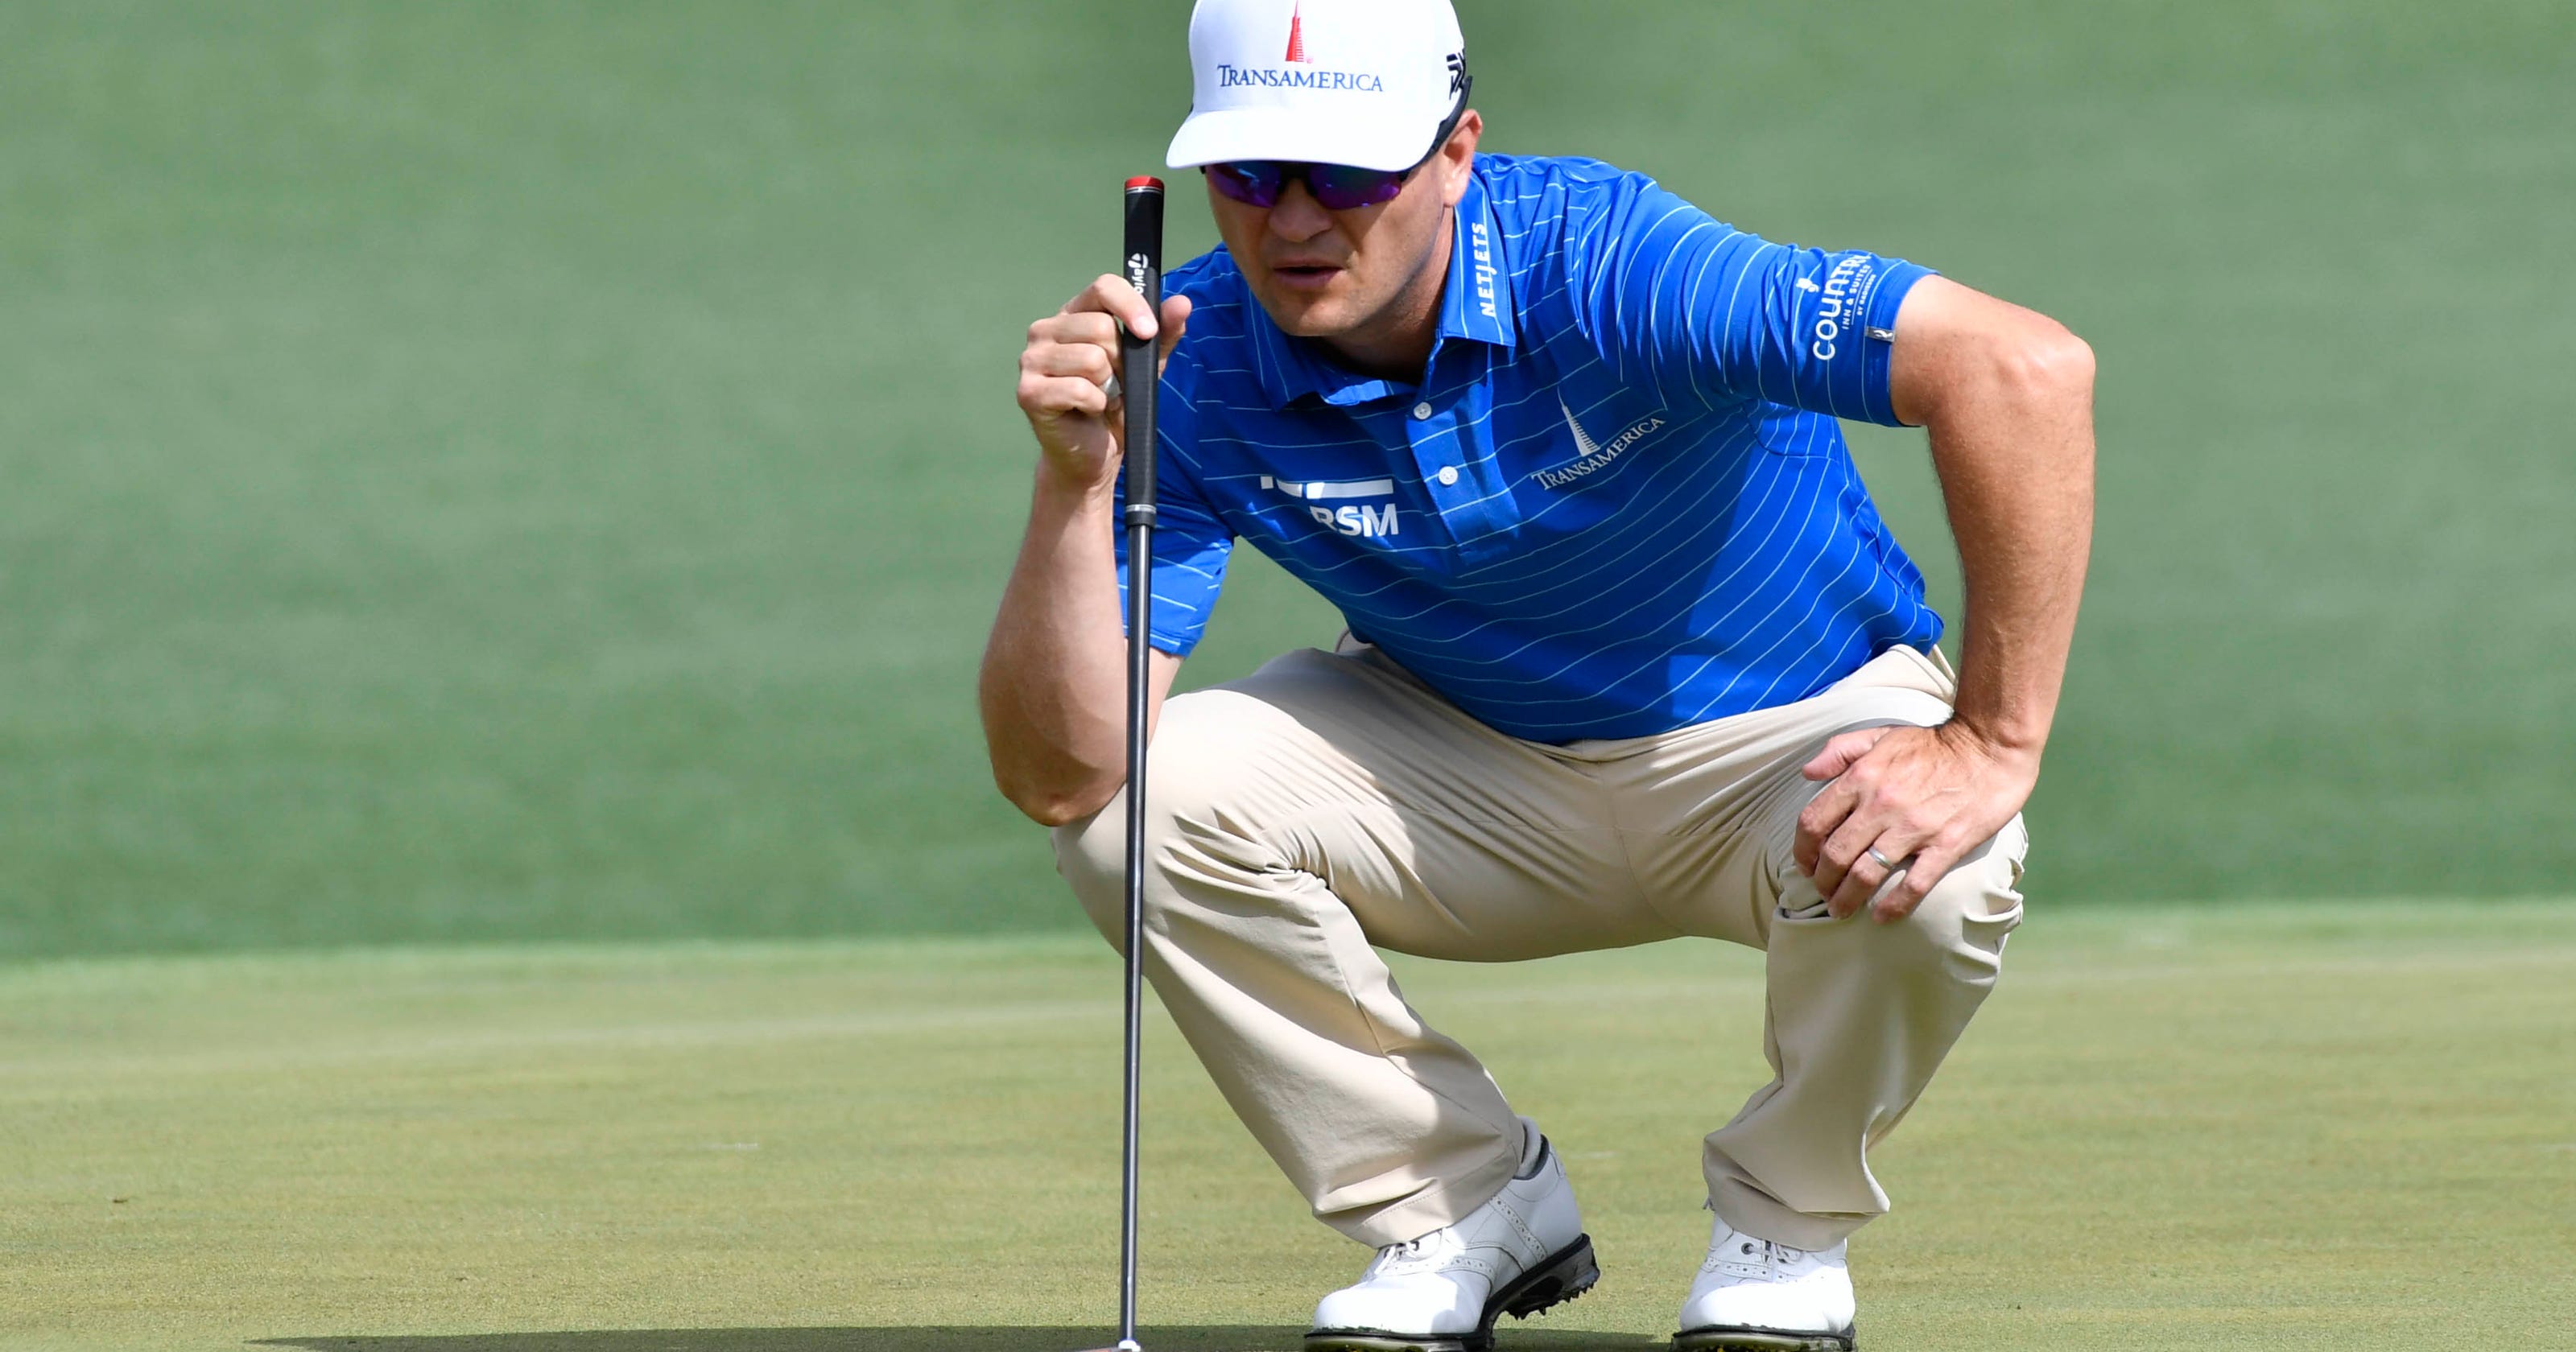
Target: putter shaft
(1141,380)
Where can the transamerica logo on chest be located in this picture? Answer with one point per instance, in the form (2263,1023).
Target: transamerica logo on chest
(1590,456)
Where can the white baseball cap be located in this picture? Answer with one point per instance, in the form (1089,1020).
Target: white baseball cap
(1358,82)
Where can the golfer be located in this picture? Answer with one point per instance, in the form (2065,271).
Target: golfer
(1630,656)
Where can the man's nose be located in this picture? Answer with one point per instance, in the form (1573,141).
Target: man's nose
(1297,217)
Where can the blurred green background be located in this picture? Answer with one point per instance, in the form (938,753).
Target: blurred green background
(498,470)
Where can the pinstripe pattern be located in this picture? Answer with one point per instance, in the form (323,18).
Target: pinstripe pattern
(1617,502)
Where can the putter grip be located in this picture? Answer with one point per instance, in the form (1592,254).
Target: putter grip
(1143,268)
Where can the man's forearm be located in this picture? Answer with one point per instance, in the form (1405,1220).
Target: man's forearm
(1053,687)
(2014,448)
(2007,395)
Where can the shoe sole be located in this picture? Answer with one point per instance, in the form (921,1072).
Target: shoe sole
(1720,1339)
(1562,1276)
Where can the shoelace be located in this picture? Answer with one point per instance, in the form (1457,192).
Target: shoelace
(1413,1253)
(1749,1252)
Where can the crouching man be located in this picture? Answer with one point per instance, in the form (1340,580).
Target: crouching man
(1631,656)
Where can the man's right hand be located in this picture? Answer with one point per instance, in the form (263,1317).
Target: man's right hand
(1065,370)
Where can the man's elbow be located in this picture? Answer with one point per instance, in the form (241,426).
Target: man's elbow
(2043,361)
(1055,804)
(1963,356)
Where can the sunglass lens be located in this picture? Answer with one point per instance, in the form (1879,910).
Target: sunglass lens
(1251,182)
(1340,187)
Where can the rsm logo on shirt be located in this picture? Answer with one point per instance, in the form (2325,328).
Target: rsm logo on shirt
(1361,520)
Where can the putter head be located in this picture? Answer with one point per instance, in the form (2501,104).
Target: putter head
(1124,1345)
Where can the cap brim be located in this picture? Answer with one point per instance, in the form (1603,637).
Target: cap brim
(1292,134)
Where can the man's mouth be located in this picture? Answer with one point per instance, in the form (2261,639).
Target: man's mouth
(1306,276)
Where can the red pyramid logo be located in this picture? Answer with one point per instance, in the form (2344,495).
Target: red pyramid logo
(1297,37)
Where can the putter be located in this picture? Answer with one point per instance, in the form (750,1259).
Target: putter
(1140,380)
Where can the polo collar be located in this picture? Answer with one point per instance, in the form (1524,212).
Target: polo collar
(1476,304)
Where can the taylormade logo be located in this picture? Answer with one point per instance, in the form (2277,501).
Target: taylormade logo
(1233,77)
(1596,458)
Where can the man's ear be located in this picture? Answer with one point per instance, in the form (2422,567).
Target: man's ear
(1458,155)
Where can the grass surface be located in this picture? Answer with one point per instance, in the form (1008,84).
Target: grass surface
(2323,1125)
(482,470)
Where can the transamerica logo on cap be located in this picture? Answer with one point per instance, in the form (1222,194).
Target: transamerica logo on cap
(1236,77)
(1228,77)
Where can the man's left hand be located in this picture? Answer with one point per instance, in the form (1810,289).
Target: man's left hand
(1920,797)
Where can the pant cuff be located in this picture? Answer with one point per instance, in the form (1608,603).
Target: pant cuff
(1438,1204)
(1761,1215)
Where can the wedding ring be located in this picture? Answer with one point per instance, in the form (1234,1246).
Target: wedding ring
(1111,387)
(1883,861)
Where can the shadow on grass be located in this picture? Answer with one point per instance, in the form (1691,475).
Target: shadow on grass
(1202,1339)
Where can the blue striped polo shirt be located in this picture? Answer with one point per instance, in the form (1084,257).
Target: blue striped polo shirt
(1615,503)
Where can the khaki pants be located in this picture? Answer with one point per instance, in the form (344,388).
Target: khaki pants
(1331,804)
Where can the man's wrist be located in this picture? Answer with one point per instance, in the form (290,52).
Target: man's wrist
(1074,493)
(2009,747)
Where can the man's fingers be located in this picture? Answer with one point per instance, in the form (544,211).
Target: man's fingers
(1906,847)
(1843,751)
(1905,836)
(1083,341)
(1828,812)
(1176,321)
(1059,396)
(1901,810)
(1110,294)
(1067,359)
(1856,887)
(1844,860)
(1088,328)
(1822,816)
(1923,872)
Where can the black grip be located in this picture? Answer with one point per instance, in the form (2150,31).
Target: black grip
(1138,376)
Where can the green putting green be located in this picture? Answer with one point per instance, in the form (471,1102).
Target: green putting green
(482,472)
(473,471)
(2321,1125)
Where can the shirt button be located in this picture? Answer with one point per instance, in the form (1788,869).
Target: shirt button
(1448,476)
(1421,412)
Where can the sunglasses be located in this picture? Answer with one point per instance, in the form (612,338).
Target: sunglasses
(1335,187)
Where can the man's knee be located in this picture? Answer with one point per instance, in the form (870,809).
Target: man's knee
(1967,914)
(1203,747)
(1091,854)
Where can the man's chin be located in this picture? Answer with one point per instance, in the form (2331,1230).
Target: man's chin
(1309,314)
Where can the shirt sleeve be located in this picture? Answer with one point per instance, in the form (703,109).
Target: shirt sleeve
(1190,548)
(1707,314)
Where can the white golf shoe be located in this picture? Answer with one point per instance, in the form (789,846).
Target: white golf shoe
(1517,1254)
(1756,1296)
